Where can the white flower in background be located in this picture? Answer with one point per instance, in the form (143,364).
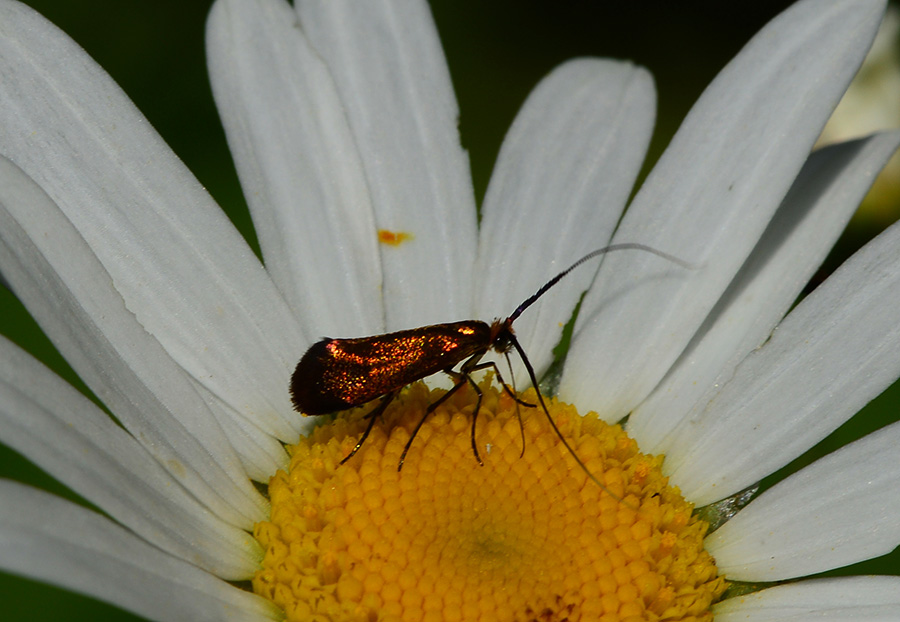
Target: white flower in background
(870,105)
(342,124)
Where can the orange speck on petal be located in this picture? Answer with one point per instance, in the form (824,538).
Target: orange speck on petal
(393,238)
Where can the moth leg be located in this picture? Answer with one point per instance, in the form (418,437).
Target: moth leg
(509,391)
(467,369)
(373,414)
(460,381)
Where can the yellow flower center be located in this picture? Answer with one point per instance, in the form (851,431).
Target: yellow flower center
(524,537)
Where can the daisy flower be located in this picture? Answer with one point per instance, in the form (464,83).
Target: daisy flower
(216,501)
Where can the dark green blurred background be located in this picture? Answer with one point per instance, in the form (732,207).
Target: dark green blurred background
(497,51)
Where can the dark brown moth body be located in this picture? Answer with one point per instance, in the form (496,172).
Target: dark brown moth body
(338,374)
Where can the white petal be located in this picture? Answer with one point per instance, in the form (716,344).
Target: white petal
(710,197)
(840,510)
(298,164)
(865,599)
(52,540)
(56,276)
(392,77)
(61,431)
(809,221)
(831,355)
(563,175)
(179,264)
(261,454)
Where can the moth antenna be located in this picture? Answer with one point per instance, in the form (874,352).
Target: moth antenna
(600,251)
